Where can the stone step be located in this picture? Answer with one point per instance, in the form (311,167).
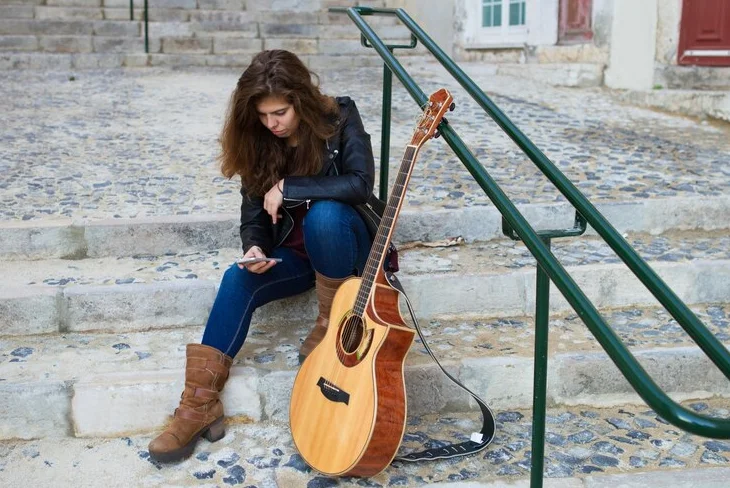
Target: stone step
(77,46)
(696,103)
(101,28)
(184,5)
(568,74)
(692,77)
(16,11)
(77,238)
(29,20)
(494,278)
(337,25)
(46,27)
(22,2)
(629,447)
(136,58)
(134,378)
(65,61)
(180,38)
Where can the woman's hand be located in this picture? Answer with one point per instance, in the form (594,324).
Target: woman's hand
(273,200)
(258,268)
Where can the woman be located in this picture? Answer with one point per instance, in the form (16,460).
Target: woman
(305,162)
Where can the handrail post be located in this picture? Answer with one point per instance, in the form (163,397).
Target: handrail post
(385,135)
(131,9)
(540,364)
(539,388)
(146,32)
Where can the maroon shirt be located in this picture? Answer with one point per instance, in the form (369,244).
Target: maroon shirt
(295,239)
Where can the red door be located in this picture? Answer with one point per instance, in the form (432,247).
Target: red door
(704,34)
(575,21)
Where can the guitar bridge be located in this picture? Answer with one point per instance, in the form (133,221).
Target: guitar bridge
(333,393)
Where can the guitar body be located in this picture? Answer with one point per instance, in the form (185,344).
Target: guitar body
(348,404)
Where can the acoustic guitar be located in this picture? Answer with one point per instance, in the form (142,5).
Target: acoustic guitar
(348,405)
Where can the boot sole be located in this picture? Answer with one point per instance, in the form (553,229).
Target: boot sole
(214,432)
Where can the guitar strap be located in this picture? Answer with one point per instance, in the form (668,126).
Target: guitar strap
(479,440)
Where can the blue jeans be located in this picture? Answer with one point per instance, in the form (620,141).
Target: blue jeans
(337,244)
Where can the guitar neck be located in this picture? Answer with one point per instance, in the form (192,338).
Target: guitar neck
(385,230)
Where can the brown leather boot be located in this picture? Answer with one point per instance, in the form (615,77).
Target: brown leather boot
(325,288)
(200,412)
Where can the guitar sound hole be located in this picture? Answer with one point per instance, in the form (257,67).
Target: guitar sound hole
(352,334)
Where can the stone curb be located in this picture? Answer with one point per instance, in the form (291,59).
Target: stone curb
(181,303)
(675,478)
(143,401)
(66,239)
(695,103)
(116,404)
(579,75)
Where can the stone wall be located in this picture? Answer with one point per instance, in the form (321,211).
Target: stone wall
(99,33)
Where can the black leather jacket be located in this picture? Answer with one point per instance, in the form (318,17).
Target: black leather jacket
(347,175)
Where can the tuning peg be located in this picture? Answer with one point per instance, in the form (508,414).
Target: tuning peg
(436,135)
(452,107)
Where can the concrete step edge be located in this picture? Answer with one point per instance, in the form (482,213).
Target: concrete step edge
(22,60)
(115,404)
(181,303)
(709,477)
(274,346)
(66,238)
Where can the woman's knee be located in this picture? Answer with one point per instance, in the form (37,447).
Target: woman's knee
(237,282)
(232,275)
(335,237)
(326,216)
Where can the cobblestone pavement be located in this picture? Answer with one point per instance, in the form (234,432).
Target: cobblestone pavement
(492,256)
(579,442)
(133,143)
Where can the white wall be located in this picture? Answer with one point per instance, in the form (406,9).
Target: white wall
(669,15)
(436,17)
(602,21)
(633,45)
(543,22)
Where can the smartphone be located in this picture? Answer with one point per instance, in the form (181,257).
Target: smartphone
(257,260)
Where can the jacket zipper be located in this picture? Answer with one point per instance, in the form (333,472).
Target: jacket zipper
(333,155)
(300,202)
(282,239)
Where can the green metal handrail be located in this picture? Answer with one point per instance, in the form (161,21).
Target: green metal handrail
(538,245)
(146,28)
(146,23)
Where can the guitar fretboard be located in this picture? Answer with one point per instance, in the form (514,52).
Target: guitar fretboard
(383,236)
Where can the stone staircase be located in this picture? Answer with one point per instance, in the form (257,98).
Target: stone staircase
(98,296)
(107,362)
(78,34)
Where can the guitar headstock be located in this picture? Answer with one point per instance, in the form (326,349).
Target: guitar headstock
(438,103)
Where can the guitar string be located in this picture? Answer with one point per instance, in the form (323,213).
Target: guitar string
(379,246)
(381,240)
(407,163)
(372,263)
(357,318)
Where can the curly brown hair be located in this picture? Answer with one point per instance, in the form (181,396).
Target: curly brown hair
(249,149)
